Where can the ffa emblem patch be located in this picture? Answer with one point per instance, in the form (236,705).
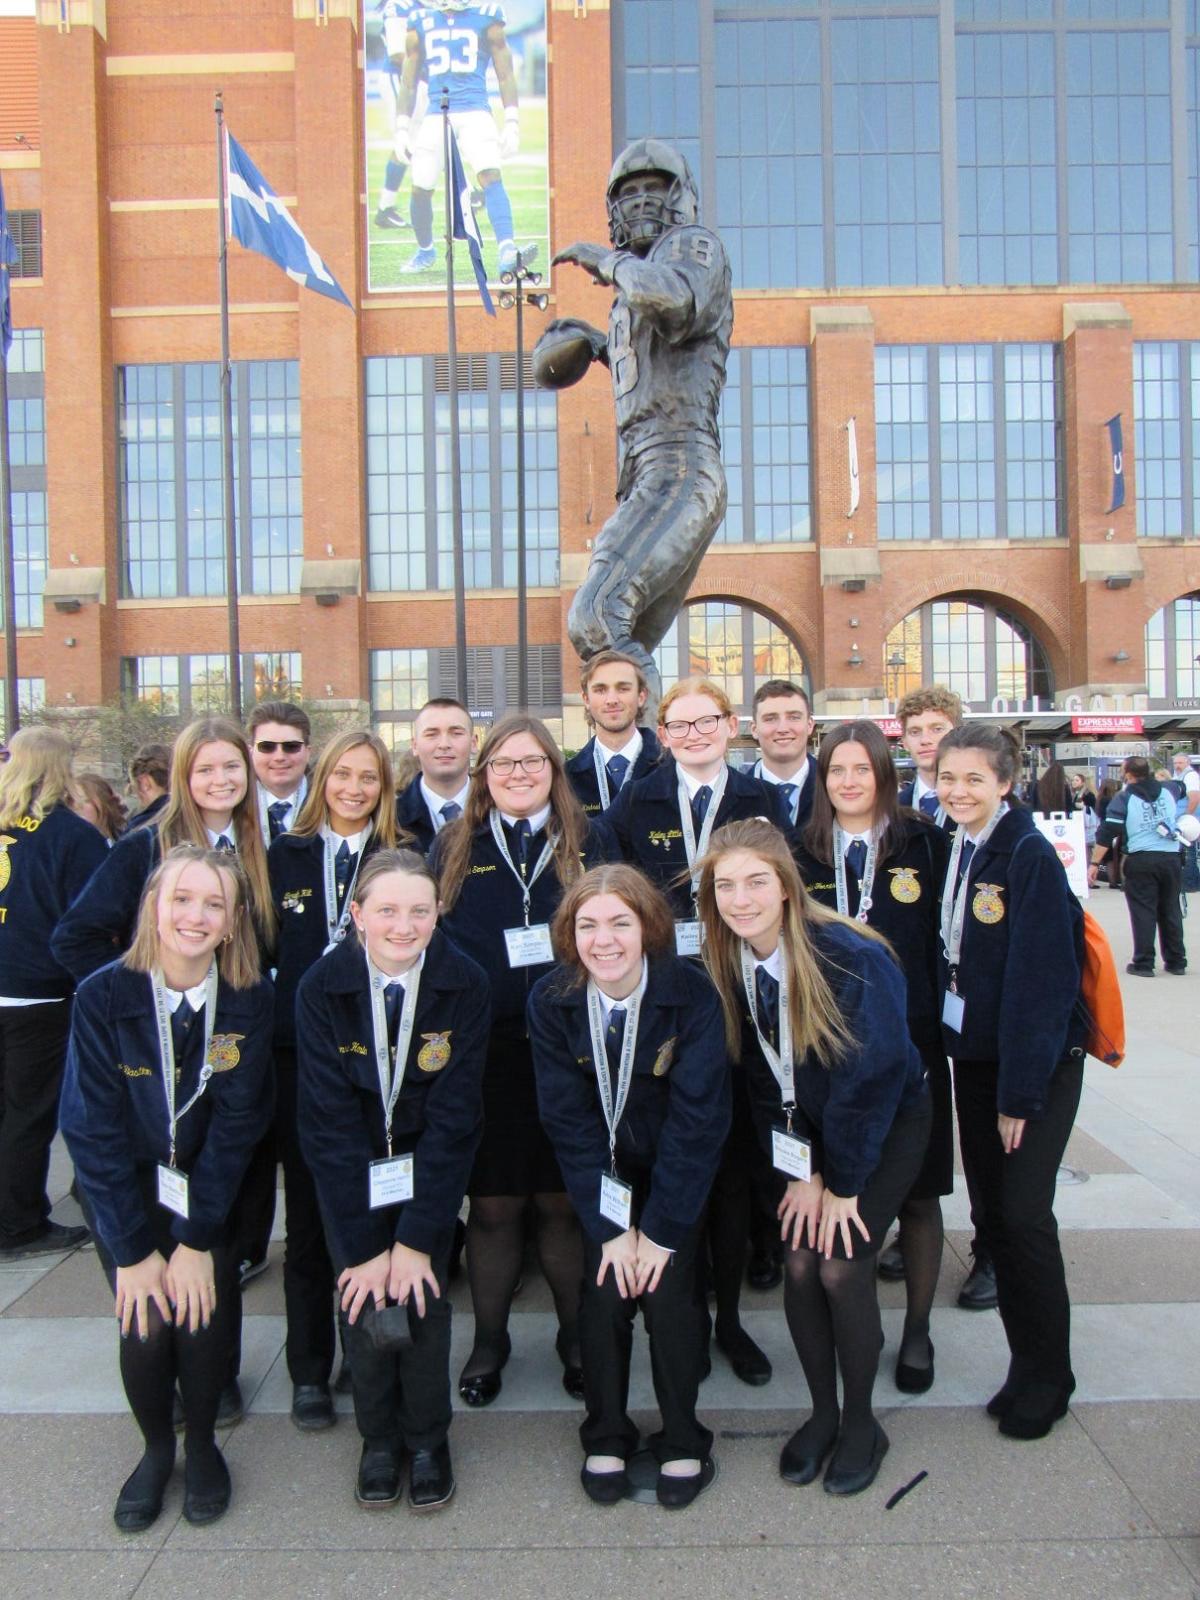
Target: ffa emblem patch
(5,864)
(223,1051)
(987,905)
(664,1058)
(905,886)
(435,1052)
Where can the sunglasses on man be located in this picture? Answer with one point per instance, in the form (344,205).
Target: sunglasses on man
(290,747)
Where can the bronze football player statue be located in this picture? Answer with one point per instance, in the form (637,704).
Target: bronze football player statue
(668,339)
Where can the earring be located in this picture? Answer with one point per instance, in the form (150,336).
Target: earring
(228,939)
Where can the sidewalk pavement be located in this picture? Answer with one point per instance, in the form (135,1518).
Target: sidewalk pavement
(1108,1506)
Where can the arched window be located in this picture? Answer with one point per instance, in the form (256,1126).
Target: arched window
(733,645)
(1173,650)
(979,652)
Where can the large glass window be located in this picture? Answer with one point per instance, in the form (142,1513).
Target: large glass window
(967,442)
(408,474)
(31,699)
(1158,397)
(198,685)
(735,646)
(972,647)
(1173,651)
(27,455)
(170,480)
(765,447)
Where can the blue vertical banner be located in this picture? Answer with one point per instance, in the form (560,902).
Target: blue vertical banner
(1118,462)
(8,258)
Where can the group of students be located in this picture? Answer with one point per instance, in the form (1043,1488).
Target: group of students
(616,1000)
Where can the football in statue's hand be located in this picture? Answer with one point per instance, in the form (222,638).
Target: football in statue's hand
(562,355)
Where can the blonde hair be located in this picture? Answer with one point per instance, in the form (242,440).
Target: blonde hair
(37,775)
(314,813)
(704,686)
(180,821)
(567,828)
(817,1024)
(237,954)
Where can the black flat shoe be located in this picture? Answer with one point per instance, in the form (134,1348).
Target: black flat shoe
(798,1463)
(431,1480)
(312,1407)
(749,1363)
(890,1265)
(1002,1401)
(853,1480)
(674,1494)
(481,1388)
(378,1483)
(230,1408)
(209,1500)
(140,1501)
(605,1488)
(1034,1410)
(978,1292)
(915,1380)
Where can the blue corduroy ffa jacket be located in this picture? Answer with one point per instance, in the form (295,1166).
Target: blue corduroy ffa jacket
(99,924)
(113,1111)
(581,770)
(678,1113)
(439,1113)
(44,863)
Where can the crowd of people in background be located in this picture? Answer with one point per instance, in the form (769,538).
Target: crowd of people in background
(667,1020)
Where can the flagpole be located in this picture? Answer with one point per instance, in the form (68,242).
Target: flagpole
(12,703)
(456,513)
(231,580)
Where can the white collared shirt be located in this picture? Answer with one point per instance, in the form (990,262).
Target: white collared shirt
(536,822)
(631,751)
(608,1003)
(435,802)
(920,787)
(773,965)
(294,801)
(225,833)
(799,777)
(195,997)
(853,838)
(354,840)
(693,784)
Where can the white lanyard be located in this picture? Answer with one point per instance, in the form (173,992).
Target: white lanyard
(780,1061)
(954,894)
(866,882)
(166,1045)
(336,923)
(696,847)
(543,861)
(391,1077)
(614,1110)
(602,775)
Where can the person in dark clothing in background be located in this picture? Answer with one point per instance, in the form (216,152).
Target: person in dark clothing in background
(1142,819)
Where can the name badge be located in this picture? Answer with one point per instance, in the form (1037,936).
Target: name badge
(953,1007)
(791,1155)
(687,938)
(529,947)
(616,1201)
(391,1181)
(173,1190)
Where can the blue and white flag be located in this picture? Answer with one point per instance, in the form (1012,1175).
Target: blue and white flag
(1118,462)
(259,220)
(8,256)
(464,226)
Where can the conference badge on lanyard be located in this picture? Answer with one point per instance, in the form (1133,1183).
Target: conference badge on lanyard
(173,1185)
(954,912)
(529,946)
(866,882)
(689,934)
(337,923)
(390,1178)
(616,1196)
(790,1154)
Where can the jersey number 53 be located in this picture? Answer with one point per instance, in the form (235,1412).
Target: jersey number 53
(451,50)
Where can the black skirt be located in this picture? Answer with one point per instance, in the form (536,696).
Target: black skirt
(514,1156)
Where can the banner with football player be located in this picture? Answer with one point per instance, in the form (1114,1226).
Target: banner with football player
(487,58)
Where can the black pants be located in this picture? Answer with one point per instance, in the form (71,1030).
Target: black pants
(676,1319)
(254,1213)
(1015,1204)
(308,1276)
(403,1397)
(33,1049)
(1152,884)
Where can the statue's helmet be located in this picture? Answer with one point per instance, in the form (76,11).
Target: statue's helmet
(637,218)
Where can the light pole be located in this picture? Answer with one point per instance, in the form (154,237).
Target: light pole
(897,661)
(517,294)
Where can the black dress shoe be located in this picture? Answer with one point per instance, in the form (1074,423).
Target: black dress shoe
(764,1272)
(141,1498)
(890,1265)
(230,1408)
(915,1380)
(312,1407)
(799,1463)
(605,1488)
(978,1292)
(49,1240)
(1034,1410)
(482,1387)
(676,1493)
(1176,972)
(206,1500)
(378,1482)
(1135,971)
(432,1479)
(1001,1401)
(749,1363)
(840,1479)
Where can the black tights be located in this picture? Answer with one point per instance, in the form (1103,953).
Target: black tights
(921,1237)
(495,1249)
(833,1317)
(149,1370)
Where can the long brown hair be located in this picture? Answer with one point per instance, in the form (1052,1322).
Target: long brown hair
(237,954)
(100,793)
(567,829)
(648,904)
(180,821)
(817,1023)
(817,837)
(314,813)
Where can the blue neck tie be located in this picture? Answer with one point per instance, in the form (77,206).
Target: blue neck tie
(342,864)
(700,805)
(276,811)
(789,791)
(450,811)
(181,1028)
(224,842)
(856,858)
(393,1001)
(616,767)
(766,990)
(521,835)
(929,805)
(964,861)
(614,1039)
